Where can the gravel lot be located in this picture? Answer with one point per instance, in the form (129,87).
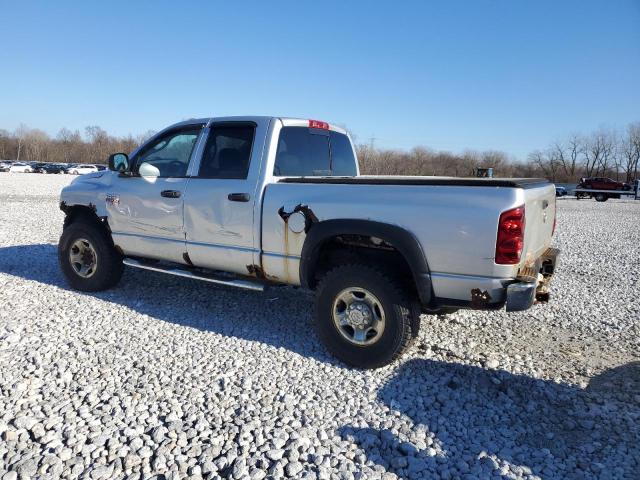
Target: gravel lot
(168,378)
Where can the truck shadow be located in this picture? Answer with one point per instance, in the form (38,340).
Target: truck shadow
(472,421)
(281,316)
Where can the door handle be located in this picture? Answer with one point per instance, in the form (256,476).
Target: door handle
(239,197)
(171,193)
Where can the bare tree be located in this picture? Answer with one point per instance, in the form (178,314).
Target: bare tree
(630,151)
(598,152)
(566,155)
(547,162)
(36,144)
(20,134)
(69,143)
(5,144)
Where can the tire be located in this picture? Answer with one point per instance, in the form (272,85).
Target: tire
(601,197)
(108,262)
(397,331)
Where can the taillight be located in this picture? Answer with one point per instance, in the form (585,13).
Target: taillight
(510,236)
(318,124)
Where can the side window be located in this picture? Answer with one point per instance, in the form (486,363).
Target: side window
(169,155)
(343,161)
(227,153)
(302,153)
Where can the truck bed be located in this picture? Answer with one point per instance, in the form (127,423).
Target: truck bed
(455,225)
(410,180)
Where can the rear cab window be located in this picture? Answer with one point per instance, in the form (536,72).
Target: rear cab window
(313,152)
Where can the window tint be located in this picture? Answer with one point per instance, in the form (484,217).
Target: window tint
(343,161)
(301,153)
(169,155)
(228,152)
(310,153)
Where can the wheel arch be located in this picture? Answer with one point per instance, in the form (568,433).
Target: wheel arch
(87,213)
(403,241)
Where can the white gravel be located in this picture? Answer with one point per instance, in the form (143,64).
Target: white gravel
(168,378)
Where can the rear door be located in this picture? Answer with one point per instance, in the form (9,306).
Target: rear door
(222,198)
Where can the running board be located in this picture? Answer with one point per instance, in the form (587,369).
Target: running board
(179,272)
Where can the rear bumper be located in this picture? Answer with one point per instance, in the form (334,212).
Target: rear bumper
(483,293)
(522,294)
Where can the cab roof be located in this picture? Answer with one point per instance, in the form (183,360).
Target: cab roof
(286,121)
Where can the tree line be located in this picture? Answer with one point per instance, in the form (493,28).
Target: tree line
(603,153)
(611,153)
(92,146)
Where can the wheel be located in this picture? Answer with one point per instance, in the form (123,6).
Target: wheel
(601,197)
(88,258)
(364,317)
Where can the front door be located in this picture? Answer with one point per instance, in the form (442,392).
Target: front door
(146,208)
(219,205)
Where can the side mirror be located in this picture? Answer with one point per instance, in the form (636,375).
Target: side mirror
(119,162)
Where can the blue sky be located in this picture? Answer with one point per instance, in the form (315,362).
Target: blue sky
(452,75)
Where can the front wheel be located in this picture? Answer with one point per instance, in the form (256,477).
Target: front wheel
(363,316)
(88,258)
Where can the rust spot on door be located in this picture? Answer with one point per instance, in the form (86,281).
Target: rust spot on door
(256,271)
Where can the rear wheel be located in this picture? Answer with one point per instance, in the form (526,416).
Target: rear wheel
(88,258)
(363,316)
(601,197)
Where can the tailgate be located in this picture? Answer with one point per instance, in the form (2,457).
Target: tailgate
(540,214)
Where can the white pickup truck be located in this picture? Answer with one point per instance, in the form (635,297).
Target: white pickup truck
(253,201)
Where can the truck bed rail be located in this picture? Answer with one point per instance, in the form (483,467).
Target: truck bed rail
(406,180)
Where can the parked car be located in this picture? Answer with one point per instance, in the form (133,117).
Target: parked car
(82,169)
(602,183)
(19,167)
(53,168)
(253,201)
(101,168)
(38,167)
(5,165)
(560,191)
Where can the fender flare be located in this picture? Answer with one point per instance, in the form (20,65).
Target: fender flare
(402,240)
